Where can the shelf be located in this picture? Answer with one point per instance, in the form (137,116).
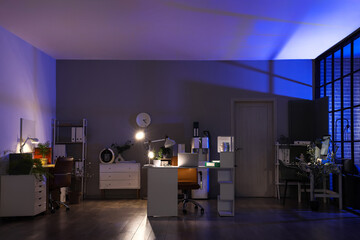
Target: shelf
(69,125)
(226,182)
(226,213)
(225,207)
(58,143)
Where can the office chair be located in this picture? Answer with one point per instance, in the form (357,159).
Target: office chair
(187,181)
(61,178)
(291,173)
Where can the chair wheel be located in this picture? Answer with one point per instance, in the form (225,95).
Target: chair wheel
(67,209)
(202,211)
(57,207)
(52,211)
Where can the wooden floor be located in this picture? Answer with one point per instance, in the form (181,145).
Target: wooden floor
(126,219)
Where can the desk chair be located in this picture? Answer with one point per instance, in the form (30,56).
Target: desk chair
(187,181)
(291,173)
(61,178)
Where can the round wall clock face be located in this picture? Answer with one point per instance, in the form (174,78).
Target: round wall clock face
(143,120)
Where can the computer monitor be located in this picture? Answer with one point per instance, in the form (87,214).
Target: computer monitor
(325,146)
(188,159)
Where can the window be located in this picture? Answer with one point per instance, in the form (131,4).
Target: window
(337,74)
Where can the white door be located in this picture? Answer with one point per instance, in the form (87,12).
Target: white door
(254,138)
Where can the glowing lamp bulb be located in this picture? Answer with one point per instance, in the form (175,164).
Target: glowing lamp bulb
(140,135)
(151,154)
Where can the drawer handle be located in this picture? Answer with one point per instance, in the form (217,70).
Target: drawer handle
(39,205)
(40,198)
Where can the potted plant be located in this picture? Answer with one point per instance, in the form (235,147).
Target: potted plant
(122,148)
(318,168)
(164,152)
(44,149)
(23,164)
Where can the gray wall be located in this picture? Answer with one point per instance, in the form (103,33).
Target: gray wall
(27,90)
(175,93)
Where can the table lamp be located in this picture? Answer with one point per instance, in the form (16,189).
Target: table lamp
(32,140)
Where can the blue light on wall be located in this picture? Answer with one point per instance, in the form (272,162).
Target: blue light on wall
(291,89)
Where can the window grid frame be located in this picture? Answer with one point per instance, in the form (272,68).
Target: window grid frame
(351,75)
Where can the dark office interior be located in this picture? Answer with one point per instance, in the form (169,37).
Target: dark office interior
(264,95)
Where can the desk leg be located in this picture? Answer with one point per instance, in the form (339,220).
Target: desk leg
(312,187)
(278,191)
(340,191)
(324,188)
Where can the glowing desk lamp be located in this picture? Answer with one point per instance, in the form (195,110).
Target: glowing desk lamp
(168,143)
(32,140)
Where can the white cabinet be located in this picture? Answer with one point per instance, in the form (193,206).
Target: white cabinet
(120,176)
(226,177)
(22,195)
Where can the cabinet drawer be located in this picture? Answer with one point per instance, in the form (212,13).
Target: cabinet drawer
(39,185)
(132,184)
(120,167)
(40,194)
(39,207)
(118,176)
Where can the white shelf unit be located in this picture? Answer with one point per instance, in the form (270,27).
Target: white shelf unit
(70,139)
(283,153)
(22,195)
(120,176)
(226,176)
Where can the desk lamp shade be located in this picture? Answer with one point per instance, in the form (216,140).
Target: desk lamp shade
(169,143)
(32,140)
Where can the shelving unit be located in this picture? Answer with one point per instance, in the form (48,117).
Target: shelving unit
(226,177)
(70,139)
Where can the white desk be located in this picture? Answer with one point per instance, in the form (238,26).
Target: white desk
(163,191)
(22,195)
(324,192)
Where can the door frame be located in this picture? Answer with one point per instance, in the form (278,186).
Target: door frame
(233,123)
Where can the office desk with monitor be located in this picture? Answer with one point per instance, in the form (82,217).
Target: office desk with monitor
(163,190)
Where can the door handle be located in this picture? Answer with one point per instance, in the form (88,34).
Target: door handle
(238,148)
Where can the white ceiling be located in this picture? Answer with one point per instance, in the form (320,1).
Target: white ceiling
(179,29)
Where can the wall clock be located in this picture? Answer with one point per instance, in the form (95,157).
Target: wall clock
(143,119)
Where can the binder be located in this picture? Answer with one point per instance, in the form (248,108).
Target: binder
(73,134)
(79,134)
(59,151)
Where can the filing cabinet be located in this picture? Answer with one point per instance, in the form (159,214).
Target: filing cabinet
(120,176)
(22,195)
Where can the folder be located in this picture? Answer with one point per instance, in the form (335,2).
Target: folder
(73,134)
(79,134)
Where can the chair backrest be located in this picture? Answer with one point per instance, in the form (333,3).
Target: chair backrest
(291,172)
(187,175)
(62,172)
